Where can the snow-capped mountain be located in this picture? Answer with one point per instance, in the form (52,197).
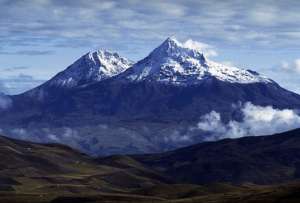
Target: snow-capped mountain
(177,63)
(90,68)
(103,104)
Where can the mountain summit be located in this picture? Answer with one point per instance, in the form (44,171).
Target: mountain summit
(92,67)
(182,64)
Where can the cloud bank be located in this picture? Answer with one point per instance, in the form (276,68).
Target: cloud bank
(257,120)
(86,22)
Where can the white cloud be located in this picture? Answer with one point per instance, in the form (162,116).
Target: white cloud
(177,137)
(206,49)
(228,63)
(264,15)
(104,5)
(3,88)
(212,122)
(257,121)
(293,66)
(169,8)
(16,84)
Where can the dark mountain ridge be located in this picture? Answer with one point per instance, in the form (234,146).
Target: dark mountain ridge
(260,160)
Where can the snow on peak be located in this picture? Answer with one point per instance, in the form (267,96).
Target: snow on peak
(92,67)
(184,64)
(171,47)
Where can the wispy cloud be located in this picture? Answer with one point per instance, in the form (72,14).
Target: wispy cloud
(207,49)
(27,53)
(56,21)
(15,68)
(18,83)
(293,66)
(3,88)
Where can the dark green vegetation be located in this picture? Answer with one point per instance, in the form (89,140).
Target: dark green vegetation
(252,169)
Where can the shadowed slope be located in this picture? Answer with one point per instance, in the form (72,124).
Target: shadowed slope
(260,160)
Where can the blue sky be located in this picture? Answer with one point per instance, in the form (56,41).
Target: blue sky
(38,38)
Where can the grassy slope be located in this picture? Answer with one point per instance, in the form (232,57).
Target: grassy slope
(35,173)
(260,160)
(42,172)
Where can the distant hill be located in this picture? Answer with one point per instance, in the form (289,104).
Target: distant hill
(35,172)
(259,160)
(253,169)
